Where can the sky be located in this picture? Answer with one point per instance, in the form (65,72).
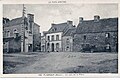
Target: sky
(45,14)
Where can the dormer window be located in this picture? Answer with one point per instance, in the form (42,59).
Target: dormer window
(16,33)
(54,29)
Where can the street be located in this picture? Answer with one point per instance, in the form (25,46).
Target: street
(60,62)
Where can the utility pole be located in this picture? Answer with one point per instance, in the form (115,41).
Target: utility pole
(23,31)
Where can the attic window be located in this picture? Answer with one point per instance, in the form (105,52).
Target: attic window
(54,29)
(14,30)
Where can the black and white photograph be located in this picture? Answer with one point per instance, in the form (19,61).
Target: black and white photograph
(60,38)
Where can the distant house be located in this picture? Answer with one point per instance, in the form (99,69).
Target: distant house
(54,35)
(96,35)
(43,44)
(20,34)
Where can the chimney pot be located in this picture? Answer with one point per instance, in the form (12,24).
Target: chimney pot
(96,18)
(80,19)
(30,17)
(69,22)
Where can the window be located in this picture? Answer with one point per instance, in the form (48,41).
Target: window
(26,28)
(52,37)
(108,46)
(4,33)
(67,41)
(8,33)
(107,35)
(57,47)
(67,46)
(15,32)
(57,37)
(84,37)
(48,38)
(96,37)
(54,29)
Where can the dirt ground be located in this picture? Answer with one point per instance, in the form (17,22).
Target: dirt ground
(60,62)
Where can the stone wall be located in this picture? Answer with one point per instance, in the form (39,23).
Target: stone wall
(36,42)
(15,45)
(11,29)
(98,40)
(67,43)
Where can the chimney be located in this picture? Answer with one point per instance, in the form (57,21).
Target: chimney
(80,19)
(5,20)
(96,18)
(30,17)
(69,22)
(52,24)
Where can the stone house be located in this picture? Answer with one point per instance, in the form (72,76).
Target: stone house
(18,34)
(54,35)
(67,40)
(96,35)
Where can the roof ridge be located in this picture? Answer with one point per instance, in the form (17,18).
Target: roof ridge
(60,23)
(92,26)
(16,18)
(102,19)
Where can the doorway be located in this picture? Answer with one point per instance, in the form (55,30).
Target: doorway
(30,48)
(52,47)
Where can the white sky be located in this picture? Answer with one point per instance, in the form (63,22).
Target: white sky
(45,14)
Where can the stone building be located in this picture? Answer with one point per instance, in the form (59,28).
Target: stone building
(36,41)
(42,43)
(67,40)
(96,35)
(20,34)
(54,35)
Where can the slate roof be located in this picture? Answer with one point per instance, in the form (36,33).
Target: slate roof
(16,21)
(58,28)
(70,32)
(109,24)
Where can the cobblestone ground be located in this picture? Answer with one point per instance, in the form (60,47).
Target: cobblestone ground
(60,62)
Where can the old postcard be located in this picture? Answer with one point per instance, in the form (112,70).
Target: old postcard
(59,38)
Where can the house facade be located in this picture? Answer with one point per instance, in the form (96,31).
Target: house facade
(96,35)
(43,43)
(19,34)
(53,37)
(67,40)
